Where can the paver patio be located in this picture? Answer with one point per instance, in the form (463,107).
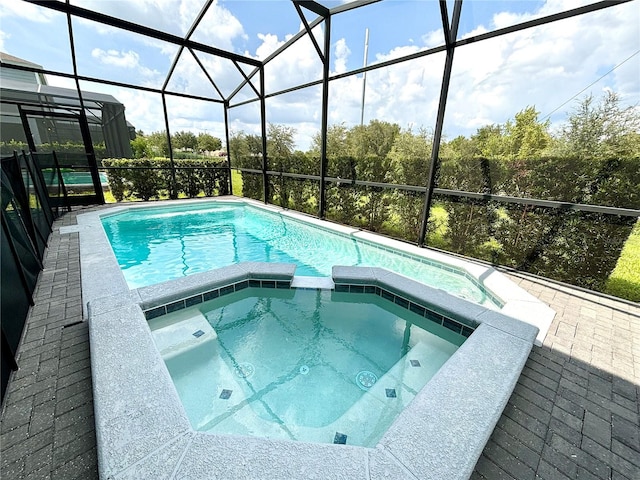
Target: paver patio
(575,412)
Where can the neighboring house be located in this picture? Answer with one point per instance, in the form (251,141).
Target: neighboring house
(29,90)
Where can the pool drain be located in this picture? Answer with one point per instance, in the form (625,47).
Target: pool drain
(304,370)
(365,379)
(245,370)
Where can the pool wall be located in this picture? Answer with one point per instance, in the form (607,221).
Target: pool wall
(143,432)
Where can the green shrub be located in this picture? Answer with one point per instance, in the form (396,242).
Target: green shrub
(146,178)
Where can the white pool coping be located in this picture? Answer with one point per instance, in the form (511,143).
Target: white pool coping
(143,432)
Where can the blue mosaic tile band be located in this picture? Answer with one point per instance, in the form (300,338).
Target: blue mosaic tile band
(215,293)
(461,326)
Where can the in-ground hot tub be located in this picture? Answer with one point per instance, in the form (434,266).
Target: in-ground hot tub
(311,365)
(143,430)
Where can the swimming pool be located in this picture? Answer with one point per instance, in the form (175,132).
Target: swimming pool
(300,364)
(153,245)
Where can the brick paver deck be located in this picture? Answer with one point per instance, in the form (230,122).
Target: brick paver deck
(574,414)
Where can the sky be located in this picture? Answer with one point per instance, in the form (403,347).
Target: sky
(550,67)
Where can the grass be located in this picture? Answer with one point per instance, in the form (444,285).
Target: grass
(236,182)
(624,281)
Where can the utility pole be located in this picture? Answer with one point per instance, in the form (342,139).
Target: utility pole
(364,75)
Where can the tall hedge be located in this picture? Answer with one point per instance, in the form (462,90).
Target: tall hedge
(580,248)
(146,178)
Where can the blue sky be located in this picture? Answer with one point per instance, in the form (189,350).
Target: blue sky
(491,81)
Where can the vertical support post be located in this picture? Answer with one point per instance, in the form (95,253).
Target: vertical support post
(84,124)
(27,129)
(173,192)
(325,116)
(91,156)
(450,38)
(61,181)
(263,123)
(226,136)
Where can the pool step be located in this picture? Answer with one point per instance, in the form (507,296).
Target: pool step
(177,332)
(301,281)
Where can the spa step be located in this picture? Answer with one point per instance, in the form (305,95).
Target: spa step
(301,281)
(180,331)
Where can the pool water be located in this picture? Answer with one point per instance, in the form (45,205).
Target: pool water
(300,364)
(157,244)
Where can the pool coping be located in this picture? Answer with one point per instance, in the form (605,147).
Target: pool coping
(143,432)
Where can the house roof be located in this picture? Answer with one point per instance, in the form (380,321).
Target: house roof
(5,57)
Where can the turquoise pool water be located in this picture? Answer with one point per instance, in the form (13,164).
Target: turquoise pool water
(157,244)
(82,178)
(306,365)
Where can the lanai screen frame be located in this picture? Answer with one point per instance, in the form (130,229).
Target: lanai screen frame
(450,27)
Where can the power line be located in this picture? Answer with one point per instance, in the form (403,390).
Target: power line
(591,84)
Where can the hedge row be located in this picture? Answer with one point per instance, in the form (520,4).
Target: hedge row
(152,178)
(580,248)
(7,148)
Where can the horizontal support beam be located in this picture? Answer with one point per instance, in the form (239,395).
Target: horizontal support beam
(314,7)
(105,82)
(625,212)
(141,30)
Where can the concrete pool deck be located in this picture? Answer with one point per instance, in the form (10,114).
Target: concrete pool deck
(573,413)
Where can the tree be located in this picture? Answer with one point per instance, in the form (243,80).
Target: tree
(245,151)
(601,129)
(526,137)
(158,144)
(140,147)
(374,139)
(410,157)
(336,141)
(280,144)
(208,143)
(460,147)
(521,138)
(183,140)
(489,142)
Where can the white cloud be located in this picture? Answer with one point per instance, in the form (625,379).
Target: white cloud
(122,59)
(433,39)
(270,44)
(3,36)
(341,55)
(27,11)
(117,58)
(218,28)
